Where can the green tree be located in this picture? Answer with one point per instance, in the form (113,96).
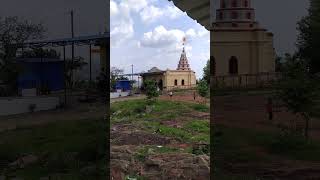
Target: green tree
(115,75)
(203,88)
(13,33)
(297,89)
(279,64)
(151,89)
(40,52)
(206,72)
(77,64)
(309,37)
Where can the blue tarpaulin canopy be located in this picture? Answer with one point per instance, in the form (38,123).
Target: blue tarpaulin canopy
(124,85)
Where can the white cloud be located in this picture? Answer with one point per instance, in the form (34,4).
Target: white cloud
(121,23)
(113,8)
(191,33)
(160,37)
(135,5)
(173,12)
(151,14)
(203,32)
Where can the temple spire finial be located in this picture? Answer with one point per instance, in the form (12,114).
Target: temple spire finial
(183,63)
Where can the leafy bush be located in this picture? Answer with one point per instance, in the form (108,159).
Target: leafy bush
(203,88)
(151,89)
(202,149)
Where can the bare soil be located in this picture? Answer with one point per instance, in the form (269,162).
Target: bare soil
(248,112)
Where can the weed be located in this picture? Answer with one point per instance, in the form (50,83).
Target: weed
(201,107)
(198,126)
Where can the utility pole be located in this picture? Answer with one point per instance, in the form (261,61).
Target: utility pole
(132,73)
(72,50)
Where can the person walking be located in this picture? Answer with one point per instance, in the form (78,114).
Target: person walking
(194,95)
(269,108)
(170,94)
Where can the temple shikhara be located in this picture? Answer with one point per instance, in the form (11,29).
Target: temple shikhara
(181,78)
(239,45)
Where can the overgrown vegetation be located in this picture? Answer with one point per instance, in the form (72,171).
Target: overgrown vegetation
(152,93)
(66,150)
(203,89)
(298,89)
(192,130)
(13,32)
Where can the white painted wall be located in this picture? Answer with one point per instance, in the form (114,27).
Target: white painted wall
(11,106)
(117,94)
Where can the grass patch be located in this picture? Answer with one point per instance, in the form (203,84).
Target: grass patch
(64,147)
(175,132)
(145,151)
(240,145)
(198,126)
(201,107)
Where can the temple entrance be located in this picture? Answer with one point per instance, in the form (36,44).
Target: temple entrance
(160,85)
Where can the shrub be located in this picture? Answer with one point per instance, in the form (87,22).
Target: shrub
(151,89)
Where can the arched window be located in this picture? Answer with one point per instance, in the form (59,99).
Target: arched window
(182,82)
(246,3)
(248,15)
(233,65)
(176,82)
(234,3)
(234,15)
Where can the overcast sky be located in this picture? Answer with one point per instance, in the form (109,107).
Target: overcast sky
(91,17)
(149,33)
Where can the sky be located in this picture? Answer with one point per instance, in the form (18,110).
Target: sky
(92,17)
(149,33)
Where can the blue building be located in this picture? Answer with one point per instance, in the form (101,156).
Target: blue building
(124,85)
(37,72)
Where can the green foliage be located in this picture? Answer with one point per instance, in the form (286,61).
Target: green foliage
(40,52)
(14,31)
(198,126)
(279,64)
(206,72)
(151,89)
(298,89)
(77,64)
(175,132)
(309,37)
(63,147)
(115,75)
(201,107)
(203,149)
(203,88)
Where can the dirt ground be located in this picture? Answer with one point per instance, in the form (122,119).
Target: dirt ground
(75,111)
(126,139)
(248,112)
(187,96)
